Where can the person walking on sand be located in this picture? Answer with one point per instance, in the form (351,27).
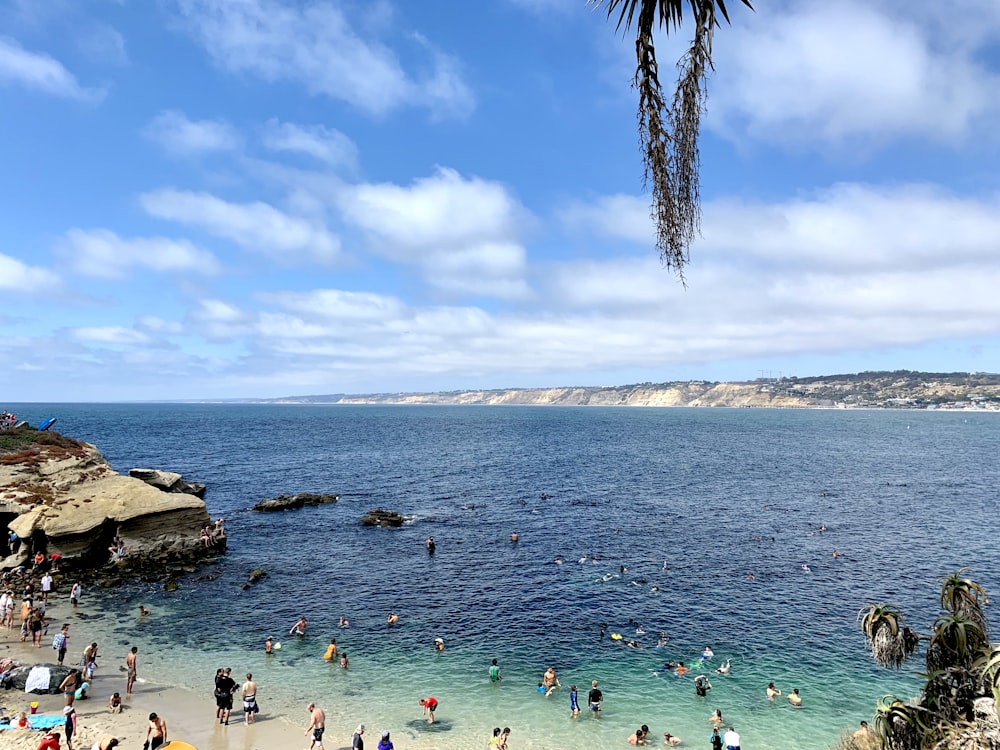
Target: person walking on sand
(249,699)
(70,725)
(317,725)
(156,732)
(131,664)
(358,741)
(430,704)
(60,642)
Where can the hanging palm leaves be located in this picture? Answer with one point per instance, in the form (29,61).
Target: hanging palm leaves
(668,136)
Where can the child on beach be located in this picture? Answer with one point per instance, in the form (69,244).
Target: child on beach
(115,703)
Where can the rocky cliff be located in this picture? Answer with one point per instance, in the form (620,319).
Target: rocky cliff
(61,496)
(898,389)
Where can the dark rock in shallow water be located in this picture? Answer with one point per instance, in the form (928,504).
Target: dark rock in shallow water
(256,575)
(379,517)
(292,502)
(19,676)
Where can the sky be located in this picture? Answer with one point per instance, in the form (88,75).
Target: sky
(210,199)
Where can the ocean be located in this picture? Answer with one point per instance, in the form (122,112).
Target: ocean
(689,501)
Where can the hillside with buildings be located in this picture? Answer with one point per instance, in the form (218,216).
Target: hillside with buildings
(900,389)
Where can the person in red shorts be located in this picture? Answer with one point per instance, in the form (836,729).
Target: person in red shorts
(49,742)
(430,704)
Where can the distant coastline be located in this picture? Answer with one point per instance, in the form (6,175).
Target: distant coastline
(899,389)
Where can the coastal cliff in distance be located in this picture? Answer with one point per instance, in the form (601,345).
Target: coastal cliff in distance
(900,389)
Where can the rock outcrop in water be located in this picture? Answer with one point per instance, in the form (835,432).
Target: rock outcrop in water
(60,496)
(379,517)
(293,502)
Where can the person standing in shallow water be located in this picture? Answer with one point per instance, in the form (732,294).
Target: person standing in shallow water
(131,667)
(430,545)
(495,675)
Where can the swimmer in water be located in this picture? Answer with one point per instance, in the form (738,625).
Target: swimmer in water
(724,669)
(299,628)
(806,568)
(663,639)
(836,553)
(707,653)
(344,622)
(143,611)
(681,669)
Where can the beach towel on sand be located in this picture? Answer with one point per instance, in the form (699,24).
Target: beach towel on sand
(41,721)
(38,679)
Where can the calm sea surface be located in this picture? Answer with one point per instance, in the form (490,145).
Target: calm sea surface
(690,501)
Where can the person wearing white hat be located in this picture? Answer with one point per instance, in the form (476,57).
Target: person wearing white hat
(439,644)
(70,713)
(358,743)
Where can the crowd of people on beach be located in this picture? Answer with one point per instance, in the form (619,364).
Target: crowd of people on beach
(36,587)
(7,421)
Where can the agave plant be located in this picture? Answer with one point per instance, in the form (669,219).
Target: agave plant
(960,594)
(890,641)
(900,725)
(988,667)
(957,641)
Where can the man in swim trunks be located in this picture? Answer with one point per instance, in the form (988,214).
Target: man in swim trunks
(549,680)
(156,732)
(594,698)
(317,725)
(249,699)
(299,628)
(130,663)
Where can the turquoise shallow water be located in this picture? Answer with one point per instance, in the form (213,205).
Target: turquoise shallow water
(713,493)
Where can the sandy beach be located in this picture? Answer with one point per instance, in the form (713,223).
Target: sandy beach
(189,717)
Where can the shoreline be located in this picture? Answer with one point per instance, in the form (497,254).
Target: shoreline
(186,713)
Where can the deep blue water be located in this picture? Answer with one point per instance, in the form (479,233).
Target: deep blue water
(906,497)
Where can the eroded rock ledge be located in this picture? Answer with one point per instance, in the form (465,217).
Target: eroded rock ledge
(60,496)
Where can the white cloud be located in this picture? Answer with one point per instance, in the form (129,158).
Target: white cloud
(464,233)
(103,254)
(115,335)
(157,325)
(256,226)
(836,71)
(18,277)
(844,229)
(324,144)
(179,135)
(40,72)
(103,43)
(317,46)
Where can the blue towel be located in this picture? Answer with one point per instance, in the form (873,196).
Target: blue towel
(39,721)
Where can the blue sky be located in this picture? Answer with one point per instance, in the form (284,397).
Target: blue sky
(258,198)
